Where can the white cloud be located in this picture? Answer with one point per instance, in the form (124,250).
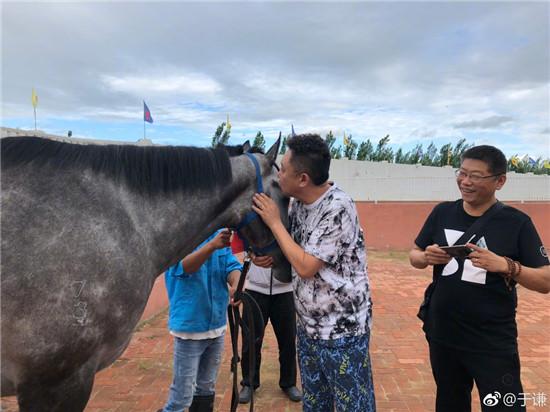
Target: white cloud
(144,85)
(369,68)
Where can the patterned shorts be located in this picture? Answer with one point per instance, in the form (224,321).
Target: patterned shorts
(336,374)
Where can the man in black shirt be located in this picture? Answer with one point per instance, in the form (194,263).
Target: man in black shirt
(471,318)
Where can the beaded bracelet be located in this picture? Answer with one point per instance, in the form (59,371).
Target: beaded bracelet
(514,270)
(516,275)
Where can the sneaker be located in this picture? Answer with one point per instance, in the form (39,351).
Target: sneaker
(245,395)
(293,393)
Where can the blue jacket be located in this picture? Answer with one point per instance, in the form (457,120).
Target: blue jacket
(198,301)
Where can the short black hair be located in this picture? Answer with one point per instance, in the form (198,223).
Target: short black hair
(310,154)
(492,156)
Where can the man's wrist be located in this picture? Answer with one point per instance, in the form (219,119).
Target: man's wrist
(425,258)
(211,247)
(504,268)
(277,226)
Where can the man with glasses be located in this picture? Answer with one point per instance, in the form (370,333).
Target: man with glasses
(470,323)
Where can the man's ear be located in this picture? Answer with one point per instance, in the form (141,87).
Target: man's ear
(304,179)
(500,181)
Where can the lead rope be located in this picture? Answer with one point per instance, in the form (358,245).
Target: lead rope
(249,330)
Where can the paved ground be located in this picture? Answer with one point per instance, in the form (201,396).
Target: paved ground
(139,380)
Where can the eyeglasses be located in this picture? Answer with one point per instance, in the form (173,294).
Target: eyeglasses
(475,178)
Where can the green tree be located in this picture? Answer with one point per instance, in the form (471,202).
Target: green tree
(365,151)
(282,150)
(383,151)
(330,139)
(528,165)
(429,156)
(414,156)
(444,155)
(458,150)
(226,135)
(350,148)
(400,157)
(259,141)
(336,152)
(217,138)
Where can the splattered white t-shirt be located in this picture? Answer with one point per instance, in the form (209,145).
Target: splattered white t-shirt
(336,302)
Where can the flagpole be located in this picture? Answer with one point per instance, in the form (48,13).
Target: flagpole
(34,100)
(143,129)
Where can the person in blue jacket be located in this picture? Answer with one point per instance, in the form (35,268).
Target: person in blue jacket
(198,293)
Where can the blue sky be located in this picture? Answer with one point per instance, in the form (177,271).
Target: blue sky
(420,72)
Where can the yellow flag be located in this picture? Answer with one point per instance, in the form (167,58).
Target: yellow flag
(346,140)
(228,125)
(34,99)
(546,164)
(514,160)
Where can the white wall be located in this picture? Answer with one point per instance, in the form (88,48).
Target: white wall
(382,181)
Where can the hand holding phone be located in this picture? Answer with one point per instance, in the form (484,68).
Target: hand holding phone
(459,251)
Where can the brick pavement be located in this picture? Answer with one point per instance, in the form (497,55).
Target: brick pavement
(139,380)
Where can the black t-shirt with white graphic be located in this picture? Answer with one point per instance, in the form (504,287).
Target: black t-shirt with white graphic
(472,309)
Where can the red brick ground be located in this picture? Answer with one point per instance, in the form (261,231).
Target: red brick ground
(139,380)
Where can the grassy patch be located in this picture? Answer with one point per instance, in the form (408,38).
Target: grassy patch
(401,256)
(146,322)
(145,365)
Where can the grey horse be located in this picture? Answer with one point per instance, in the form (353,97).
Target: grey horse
(85,231)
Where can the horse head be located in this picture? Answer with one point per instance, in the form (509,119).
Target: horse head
(256,235)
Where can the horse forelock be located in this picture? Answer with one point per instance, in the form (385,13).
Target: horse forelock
(151,169)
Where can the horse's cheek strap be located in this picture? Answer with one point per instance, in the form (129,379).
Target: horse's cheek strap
(259,183)
(250,216)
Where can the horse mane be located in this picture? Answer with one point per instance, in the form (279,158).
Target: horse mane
(150,169)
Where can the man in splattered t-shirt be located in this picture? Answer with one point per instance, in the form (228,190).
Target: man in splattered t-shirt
(326,249)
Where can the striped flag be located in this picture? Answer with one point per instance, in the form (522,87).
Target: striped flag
(228,124)
(346,140)
(515,161)
(147,114)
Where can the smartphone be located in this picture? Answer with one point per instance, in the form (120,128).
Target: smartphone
(460,251)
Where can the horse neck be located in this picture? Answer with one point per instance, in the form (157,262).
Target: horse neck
(177,224)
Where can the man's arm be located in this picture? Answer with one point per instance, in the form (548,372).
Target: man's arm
(233,281)
(192,262)
(305,265)
(432,255)
(537,279)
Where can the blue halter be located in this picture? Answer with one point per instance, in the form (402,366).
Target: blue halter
(251,216)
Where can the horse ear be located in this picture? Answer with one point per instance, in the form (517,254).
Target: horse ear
(274,150)
(246,146)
